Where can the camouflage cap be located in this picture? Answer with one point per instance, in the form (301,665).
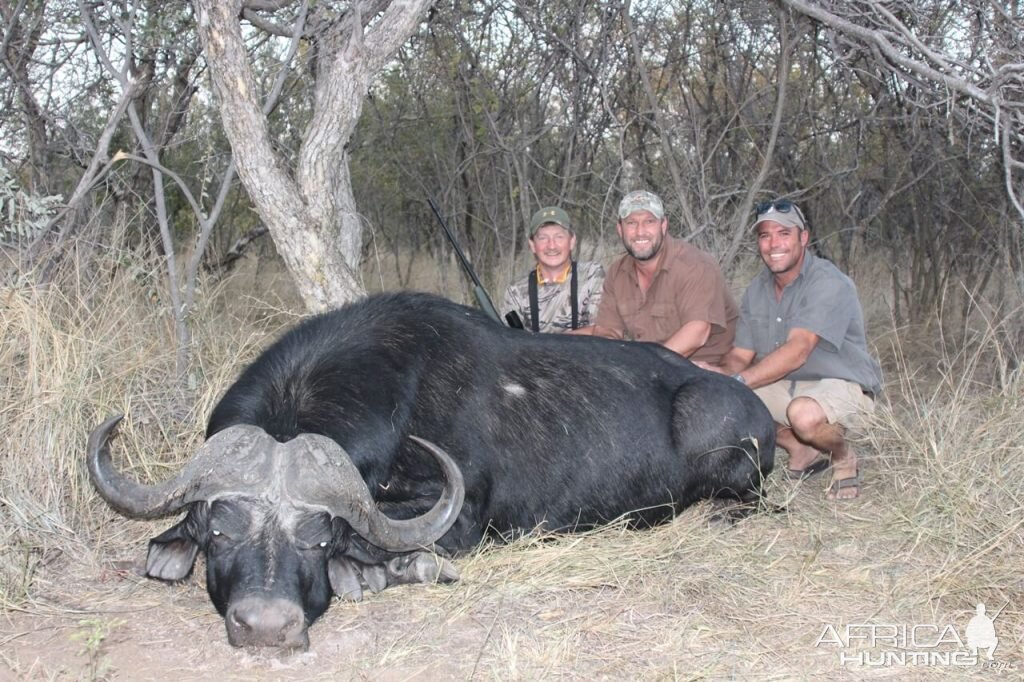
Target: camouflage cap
(641,200)
(547,216)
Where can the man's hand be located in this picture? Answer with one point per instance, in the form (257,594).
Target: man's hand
(607,332)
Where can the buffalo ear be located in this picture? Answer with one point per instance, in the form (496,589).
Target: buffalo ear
(172,554)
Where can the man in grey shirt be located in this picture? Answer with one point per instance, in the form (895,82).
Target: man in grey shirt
(800,344)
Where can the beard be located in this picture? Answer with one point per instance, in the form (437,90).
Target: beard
(648,252)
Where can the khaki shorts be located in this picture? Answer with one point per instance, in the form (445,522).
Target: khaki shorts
(844,402)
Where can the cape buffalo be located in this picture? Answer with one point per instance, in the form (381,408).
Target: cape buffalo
(369,443)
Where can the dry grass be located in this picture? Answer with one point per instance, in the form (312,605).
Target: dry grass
(937,530)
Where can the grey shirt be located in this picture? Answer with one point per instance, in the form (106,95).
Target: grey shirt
(822,300)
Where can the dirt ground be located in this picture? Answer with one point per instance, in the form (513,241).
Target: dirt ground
(688,600)
(588,607)
(145,630)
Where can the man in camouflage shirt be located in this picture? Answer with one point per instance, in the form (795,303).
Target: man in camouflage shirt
(549,287)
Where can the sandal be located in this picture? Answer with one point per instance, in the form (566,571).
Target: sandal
(842,483)
(812,469)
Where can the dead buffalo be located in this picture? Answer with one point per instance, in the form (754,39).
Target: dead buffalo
(371,442)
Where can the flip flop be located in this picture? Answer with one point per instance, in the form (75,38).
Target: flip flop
(812,469)
(839,484)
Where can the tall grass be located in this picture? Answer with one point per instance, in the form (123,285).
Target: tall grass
(949,442)
(937,529)
(91,344)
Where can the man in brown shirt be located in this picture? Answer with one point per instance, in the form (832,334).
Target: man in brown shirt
(663,289)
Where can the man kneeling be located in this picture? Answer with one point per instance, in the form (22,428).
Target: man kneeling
(800,344)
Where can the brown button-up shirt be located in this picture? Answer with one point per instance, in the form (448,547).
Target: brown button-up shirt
(688,286)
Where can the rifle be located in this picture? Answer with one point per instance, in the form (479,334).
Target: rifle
(478,289)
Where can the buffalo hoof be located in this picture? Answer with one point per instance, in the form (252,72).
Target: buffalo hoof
(727,513)
(420,567)
(350,578)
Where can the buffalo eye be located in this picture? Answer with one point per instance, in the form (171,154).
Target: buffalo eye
(312,544)
(313,532)
(315,546)
(219,541)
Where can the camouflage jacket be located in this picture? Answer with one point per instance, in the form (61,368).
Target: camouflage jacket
(554,299)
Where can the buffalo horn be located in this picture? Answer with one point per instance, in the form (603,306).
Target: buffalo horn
(236,459)
(332,480)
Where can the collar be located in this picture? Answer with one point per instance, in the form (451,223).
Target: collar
(557,280)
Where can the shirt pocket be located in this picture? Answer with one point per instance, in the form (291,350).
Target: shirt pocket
(655,322)
(763,332)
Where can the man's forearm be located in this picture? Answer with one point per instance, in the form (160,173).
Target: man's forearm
(787,358)
(689,338)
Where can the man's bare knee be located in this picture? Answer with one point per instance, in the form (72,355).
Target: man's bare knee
(805,415)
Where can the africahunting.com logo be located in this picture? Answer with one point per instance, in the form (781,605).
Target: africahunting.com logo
(902,644)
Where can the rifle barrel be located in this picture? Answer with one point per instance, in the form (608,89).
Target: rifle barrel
(451,238)
(478,289)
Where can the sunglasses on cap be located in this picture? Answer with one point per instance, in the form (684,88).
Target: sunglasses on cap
(780,205)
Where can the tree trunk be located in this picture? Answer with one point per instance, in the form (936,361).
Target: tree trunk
(311,216)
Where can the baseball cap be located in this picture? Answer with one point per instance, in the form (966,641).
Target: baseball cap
(782,211)
(641,200)
(548,215)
